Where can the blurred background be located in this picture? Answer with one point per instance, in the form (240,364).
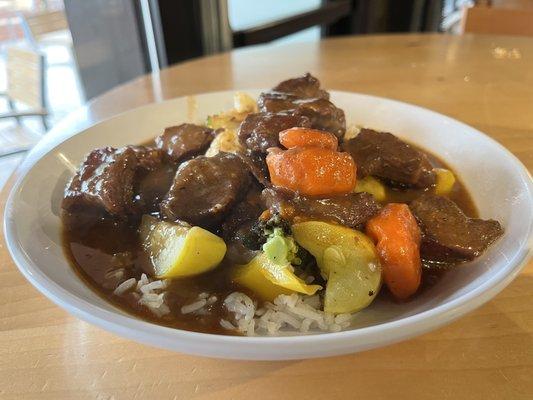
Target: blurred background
(57,54)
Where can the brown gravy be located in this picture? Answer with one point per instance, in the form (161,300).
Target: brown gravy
(109,245)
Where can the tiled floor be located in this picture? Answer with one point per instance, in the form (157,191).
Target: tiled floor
(63,96)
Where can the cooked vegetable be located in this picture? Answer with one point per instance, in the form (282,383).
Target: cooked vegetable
(398,242)
(269,279)
(180,250)
(312,171)
(230,120)
(373,186)
(281,249)
(307,137)
(347,259)
(225,141)
(445,179)
(270,273)
(244,103)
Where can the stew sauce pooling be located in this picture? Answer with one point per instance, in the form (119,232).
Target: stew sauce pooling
(169,185)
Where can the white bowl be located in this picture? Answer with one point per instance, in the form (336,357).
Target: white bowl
(499,184)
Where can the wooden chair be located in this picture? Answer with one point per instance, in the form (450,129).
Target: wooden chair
(46,28)
(25,92)
(490,18)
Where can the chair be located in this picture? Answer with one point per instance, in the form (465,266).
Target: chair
(25,92)
(46,28)
(490,18)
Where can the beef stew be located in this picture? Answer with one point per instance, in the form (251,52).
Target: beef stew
(266,235)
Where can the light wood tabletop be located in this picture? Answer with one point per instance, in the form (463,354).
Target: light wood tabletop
(485,81)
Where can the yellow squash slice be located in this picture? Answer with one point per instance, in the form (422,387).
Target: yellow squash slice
(347,259)
(178,250)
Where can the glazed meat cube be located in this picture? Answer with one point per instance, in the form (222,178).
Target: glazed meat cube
(260,131)
(448,233)
(306,86)
(149,158)
(351,210)
(321,112)
(275,102)
(323,115)
(383,155)
(117,182)
(303,96)
(205,189)
(257,165)
(154,175)
(184,141)
(237,226)
(104,182)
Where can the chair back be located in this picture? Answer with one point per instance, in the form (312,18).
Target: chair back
(41,23)
(25,77)
(499,21)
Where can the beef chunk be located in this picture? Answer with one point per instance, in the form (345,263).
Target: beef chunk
(321,112)
(306,86)
(259,131)
(149,158)
(184,141)
(256,162)
(104,182)
(205,189)
(384,155)
(153,176)
(243,214)
(323,115)
(351,210)
(283,97)
(303,97)
(448,233)
(237,227)
(275,102)
(151,186)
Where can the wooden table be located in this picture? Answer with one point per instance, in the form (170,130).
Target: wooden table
(485,81)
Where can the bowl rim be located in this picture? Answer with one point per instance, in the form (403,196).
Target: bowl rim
(134,328)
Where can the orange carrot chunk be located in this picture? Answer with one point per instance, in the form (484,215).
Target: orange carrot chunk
(398,243)
(307,137)
(312,171)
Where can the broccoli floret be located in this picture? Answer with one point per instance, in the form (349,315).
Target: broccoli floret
(281,249)
(262,230)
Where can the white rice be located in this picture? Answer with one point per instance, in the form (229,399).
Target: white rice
(197,305)
(288,314)
(227,325)
(201,305)
(150,287)
(125,286)
(143,281)
(146,292)
(342,318)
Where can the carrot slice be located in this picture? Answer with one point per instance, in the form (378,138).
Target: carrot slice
(312,171)
(307,137)
(398,243)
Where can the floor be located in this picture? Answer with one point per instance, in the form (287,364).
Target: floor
(63,96)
